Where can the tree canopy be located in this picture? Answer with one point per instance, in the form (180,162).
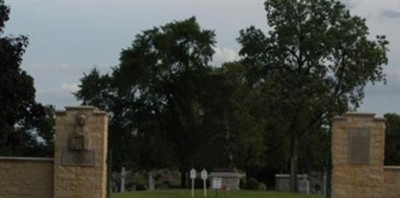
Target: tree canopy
(314,62)
(22,120)
(269,112)
(155,93)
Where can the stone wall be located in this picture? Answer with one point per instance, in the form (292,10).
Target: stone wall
(392,181)
(79,167)
(357,159)
(26,177)
(229,180)
(362,176)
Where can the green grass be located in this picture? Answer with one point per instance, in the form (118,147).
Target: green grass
(210,194)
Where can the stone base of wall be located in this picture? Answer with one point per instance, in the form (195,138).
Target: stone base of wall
(26,177)
(392,181)
(79,167)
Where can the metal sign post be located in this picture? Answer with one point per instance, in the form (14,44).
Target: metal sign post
(204,176)
(192,177)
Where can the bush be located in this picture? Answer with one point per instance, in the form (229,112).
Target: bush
(243,183)
(252,184)
(262,186)
(140,187)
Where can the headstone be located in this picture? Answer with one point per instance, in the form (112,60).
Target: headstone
(230,179)
(151,181)
(282,182)
(216,182)
(123,175)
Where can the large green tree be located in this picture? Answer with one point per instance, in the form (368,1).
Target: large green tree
(242,105)
(154,94)
(314,63)
(22,121)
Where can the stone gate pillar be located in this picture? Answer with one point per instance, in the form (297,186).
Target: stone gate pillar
(80,168)
(358,156)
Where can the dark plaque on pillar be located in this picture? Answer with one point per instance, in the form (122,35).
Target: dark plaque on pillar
(78,158)
(359,143)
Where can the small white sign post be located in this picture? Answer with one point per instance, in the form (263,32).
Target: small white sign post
(204,176)
(192,177)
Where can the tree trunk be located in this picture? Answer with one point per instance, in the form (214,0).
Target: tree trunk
(294,150)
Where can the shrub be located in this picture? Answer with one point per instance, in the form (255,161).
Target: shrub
(243,183)
(252,184)
(262,186)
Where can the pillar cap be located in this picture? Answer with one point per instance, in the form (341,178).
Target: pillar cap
(95,110)
(346,115)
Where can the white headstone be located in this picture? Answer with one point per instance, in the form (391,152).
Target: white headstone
(123,175)
(217,183)
(151,181)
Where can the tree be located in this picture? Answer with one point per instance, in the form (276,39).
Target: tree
(96,90)
(155,92)
(163,70)
(392,143)
(314,64)
(100,91)
(20,114)
(17,94)
(243,106)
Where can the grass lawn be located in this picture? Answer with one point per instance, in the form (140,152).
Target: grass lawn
(210,194)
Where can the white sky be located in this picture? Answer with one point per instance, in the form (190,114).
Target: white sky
(68,38)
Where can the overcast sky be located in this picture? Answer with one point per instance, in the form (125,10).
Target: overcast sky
(68,38)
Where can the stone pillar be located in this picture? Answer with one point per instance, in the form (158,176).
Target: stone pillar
(80,168)
(357,156)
